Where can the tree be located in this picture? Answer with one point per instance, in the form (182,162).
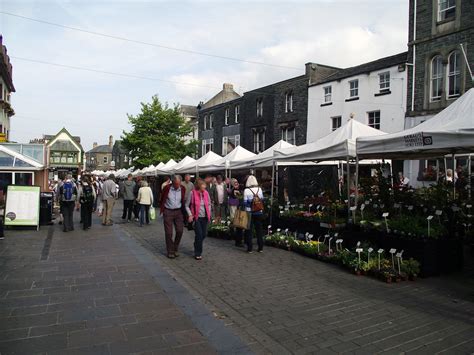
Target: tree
(158,134)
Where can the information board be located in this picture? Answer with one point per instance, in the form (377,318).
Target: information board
(23,205)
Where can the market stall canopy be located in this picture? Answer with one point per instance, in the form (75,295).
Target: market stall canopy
(337,145)
(149,171)
(207,158)
(450,131)
(238,155)
(263,159)
(164,170)
(185,161)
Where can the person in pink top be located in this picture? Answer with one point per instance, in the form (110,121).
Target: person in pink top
(198,208)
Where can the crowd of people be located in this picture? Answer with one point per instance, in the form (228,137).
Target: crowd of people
(181,202)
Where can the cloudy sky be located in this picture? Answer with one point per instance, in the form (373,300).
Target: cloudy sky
(94,105)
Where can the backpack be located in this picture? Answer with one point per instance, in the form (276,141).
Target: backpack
(68,191)
(257,203)
(87,195)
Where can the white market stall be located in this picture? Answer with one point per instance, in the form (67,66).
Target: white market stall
(236,156)
(185,161)
(194,167)
(164,169)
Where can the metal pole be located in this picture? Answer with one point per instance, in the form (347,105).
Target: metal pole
(357,182)
(454,175)
(348,188)
(271,194)
(469,177)
(391,173)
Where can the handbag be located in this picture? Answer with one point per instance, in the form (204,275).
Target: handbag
(241,220)
(152,213)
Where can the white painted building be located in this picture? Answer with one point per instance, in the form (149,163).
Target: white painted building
(372,93)
(6,88)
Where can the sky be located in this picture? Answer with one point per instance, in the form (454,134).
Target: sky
(92,105)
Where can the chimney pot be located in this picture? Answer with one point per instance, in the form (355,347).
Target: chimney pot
(94,145)
(111,140)
(228,87)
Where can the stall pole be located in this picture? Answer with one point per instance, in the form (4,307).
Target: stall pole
(339,174)
(348,188)
(469,171)
(357,183)
(271,193)
(454,172)
(391,173)
(437,170)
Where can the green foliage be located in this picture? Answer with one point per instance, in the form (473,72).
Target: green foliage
(158,134)
(410,267)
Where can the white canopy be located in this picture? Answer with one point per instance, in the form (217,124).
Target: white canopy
(237,155)
(338,145)
(185,161)
(263,159)
(194,166)
(450,131)
(149,171)
(165,169)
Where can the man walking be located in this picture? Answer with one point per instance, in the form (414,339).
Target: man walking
(109,194)
(220,198)
(188,185)
(172,205)
(68,196)
(128,189)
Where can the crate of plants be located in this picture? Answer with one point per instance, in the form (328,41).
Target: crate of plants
(219,229)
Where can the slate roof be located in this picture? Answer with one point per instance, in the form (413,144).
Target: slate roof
(189,110)
(101,149)
(49,137)
(366,68)
(63,146)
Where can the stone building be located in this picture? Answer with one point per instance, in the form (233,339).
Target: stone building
(100,156)
(120,156)
(190,113)
(6,88)
(441,53)
(260,117)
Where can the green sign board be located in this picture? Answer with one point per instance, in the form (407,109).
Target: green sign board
(23,206)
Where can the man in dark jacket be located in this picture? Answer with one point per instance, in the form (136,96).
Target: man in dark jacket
(172,205)
(127,190)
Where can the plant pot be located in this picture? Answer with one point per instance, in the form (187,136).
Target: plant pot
(413,277)
(388,279)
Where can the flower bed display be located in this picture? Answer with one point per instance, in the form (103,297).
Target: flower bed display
(220,230)
(363,261)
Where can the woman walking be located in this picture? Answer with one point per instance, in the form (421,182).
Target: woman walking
(145,200)
(86,197)
(253,202)
(198,207)
(234,201)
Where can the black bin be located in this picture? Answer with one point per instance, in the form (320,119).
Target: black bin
(46,208)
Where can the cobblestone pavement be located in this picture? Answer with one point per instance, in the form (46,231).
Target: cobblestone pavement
(98,292)
(280,302)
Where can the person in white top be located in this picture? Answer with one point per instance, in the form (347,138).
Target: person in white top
(145,200)
(253,202)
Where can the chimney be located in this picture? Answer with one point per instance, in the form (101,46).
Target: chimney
(309,68)
(94,145)
(228,87)
(111,141)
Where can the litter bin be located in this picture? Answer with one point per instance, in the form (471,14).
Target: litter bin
(46,208)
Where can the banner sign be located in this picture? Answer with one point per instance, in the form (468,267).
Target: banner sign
(417,140)
(23,206)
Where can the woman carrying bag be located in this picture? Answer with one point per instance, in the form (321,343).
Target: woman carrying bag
(145,200)
(198,208)
(253,202)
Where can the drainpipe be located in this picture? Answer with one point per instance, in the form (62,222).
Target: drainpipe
(414,59)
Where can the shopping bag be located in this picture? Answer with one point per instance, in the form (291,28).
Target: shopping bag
(241,219)
(152,213)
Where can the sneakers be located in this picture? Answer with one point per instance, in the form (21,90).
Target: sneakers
(170,256)
(198,257)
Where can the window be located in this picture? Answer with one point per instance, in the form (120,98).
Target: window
(454,74)
(384,81)
(237,113)
(105,160)
(374,119)
(446,9)
(289,102)
(258,140)
(288,134)
(436,78)
(211,120)
(336,122)
(206,123)
(354,88)
(226,115)
(207,145)
(229,143)
(328,94)
(259,107)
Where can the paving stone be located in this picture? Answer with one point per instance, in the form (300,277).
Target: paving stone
(95,336)
(13,334)
(34,345)
(56,328)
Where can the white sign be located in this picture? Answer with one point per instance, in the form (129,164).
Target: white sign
(22,207)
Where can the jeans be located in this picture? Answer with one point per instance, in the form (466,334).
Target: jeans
(256,222)
(136,210)
(86,214)
(144,214)
(200,230)
(68,212)
(127,209)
